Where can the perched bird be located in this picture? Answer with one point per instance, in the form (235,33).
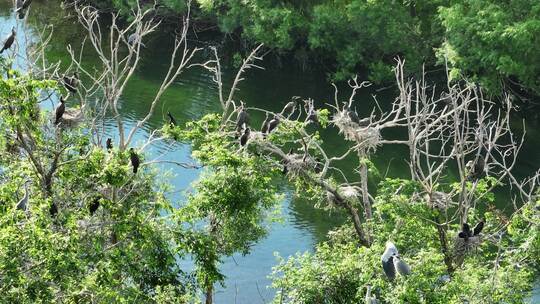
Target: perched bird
(23,203)
(135,161)
(242,118)
(401,267)
(244,138)
(313,117)
(94,205)
(172,121)
(387,260)
(289,108)
(478,228)
(273,124)
(134,38)
(369,298)
(108,144)
(53,209)
(9,40)
(476,168)
(71,82)
(465,232)
(21,7)
(350,113)
(264,127)
(60,109)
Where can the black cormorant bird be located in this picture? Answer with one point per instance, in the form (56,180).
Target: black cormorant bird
(60,109)
(94,205)
(172,121)
(242,118)
(465,232)
(135,161)
(53,209)
(273,124)
(108,144)
(9,40)
(244,138)
(478,228)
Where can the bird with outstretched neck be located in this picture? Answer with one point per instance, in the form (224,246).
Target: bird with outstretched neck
(23,202)
(172,121)
(9,40)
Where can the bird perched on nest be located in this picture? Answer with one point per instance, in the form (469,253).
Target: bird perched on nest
(9,40)
(245,137)
(467,240)
(392,262)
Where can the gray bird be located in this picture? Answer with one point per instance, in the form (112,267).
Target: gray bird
(264,127)
(387,260)
(289,108)
(401,267)
(9,40)
(60,109)
(135,38)
(369,298)
(23,203)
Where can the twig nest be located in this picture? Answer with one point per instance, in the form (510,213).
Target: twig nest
(438,199)
(72,117)
(296,163)
(368,138)
(463,246)
(349,192)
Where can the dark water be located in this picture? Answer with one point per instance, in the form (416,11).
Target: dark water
(194,95)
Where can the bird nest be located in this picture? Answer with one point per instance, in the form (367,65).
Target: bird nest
(438,199)
(72,117)
(463,246)
(297,163)
(349,192)
(368,138)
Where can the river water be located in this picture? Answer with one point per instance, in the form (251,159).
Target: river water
(194,95)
